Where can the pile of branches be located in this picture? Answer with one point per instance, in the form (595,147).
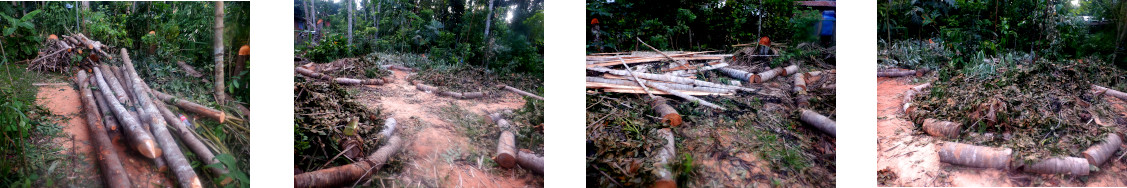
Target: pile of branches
(332,119)
(118,103)
(60,53)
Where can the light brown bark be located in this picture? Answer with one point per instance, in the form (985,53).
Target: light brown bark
(1063,165)
(910,94)
(104,108)
(112,171)
(193,142)
(975,156)
(667,113)
(506,145)
(530,161)
(346,175)
(823,123)
(518,91)
(174,158)
(191,106)
(1099,153)
(945,129)
(664,159)
(115,85)
(217,45)
(137,135)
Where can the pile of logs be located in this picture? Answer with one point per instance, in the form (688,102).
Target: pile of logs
(118,102)
(58,52)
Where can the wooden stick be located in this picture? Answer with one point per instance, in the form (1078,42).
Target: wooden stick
(175,159)
(191,106)
(662,53)
(684,96)
(823,123)
(975,156)
(665,157)
(1098,90)
(341,175)
(342,81)
(141,139)
(112,170)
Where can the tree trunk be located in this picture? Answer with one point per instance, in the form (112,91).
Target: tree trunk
(975,156)
(104,109)
(188,69)
(141,139)
(910,94)
(377,20)
(667,113)
(665,157)
(217,42)
(350,7)
(530,161)
(823,123)
(192,141)
(192,107)
(488,20)
(738,74)
(596,82)
(682,95)
(666,78)
(1099,153)
(518,91)
(342,81)
(506,145)
(388,128)
(172,155)
(801,99)
(112,170)
(425,88)
(1063,165)
(944,129)
(349,174)
(767,75)
(900,73)
(115,85)
(1098,90)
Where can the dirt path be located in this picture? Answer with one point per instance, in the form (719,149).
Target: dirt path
(64,100)
(436,138)
(912,156)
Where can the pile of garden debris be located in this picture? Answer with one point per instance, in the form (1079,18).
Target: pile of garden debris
(647,109)
(60,53)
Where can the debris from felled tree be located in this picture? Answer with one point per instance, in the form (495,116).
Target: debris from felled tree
(111,168)
(901,73)
(342,81)
(192,141)
(945,129)
(664,157)
(823,123)
(908,95)
(348,174)
(1062,165)
(975,156)
(669,78)
(193,107)
(1099,90)
(627,85)
(528,160)
(1099,153)
(188,69)
(683,95)
(518,91)
(667,113)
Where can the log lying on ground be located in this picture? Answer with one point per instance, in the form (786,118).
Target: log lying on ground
(945,129)
(172,155)
(104,108)
(506,145)
(1063,165)
(191,106)
(191,71)
(137,135)
(110,164)
(388,127)
(458,95)
(664,159)
(668,78)
(911,93)
(528,160)
(342,81)
(192,141)
(1099,153)
(397,67)
(1114,93)
(975,156)
(766,75)
(348,174)
(518,91)
(737,74)
(814,76)
(901,73)
(115,85)
(682,95)
(596,82)
(801,99)
(667,113)
(823,123)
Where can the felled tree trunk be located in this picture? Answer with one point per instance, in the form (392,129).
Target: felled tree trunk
(528,160)
(682,95)
(667,113)
(172,155)
(627,84)
(1114,93)
(1099,153)
(141,139)
(801,99)
(975,156)
(347,174)
(518,91)
(945,129)
(823,123)
(104,108)
(112,170)
(664,158)
(342,81)
(766,75)
(192,141)
(506,145)
(188,69)
(115,85)
(737,74)
(1064,165)
(911,93)
(666,78)
(901,73)
(191,106)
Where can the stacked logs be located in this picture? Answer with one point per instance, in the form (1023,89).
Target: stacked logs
(124,105)
(58,52)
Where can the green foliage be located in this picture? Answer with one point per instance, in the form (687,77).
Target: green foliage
(233,171)
(19,36)
(334,46)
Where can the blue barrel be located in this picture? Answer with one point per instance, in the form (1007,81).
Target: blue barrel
(828,19)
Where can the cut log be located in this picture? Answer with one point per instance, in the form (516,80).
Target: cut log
(172,155)
(737,74)
(1099,153)
(684,96)
(426,88)
(901,73)
(518,91)
(188,69)
(472,95)
(115,85)
(192,141)
(627,84)
(908,95)
(122,80)
(1098,90)
(450,94)
(137,135)
(191,106)
(664,159)
(1063,165)
(342,81)
(801,99)
(530,161)
(788,70)
(668,78)
(110,121)
(975,156)
(112,171)
(944,129)
(766,75)
(823,123)
(388,128)
(506,145)
(348,174)
(667,113)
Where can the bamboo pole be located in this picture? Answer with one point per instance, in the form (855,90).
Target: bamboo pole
(111,168)
(174,158)
(141,139)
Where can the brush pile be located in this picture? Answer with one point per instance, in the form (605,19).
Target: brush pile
(326,113)
(60,53)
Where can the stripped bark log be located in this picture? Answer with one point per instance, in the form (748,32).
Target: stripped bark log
(737,74)
(766,75)
(192,141)
(506,145)
(112,171)
(627,84)
(191,106)
(1099,90)
(141,139)
(103,107)
(664,159)
(1063,165)
(639,90)
(908,95)
(667,113)
(388,128)
(684,96)
(788,70)
(667,78)
(345,174)
(172,154)
(518,91)
(901,73)
(823,123)
(975,156)
(1099,153)
(472,95)
(945,129)
(115,85)
(530,161)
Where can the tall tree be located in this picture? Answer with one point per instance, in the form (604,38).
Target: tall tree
(377,20)
(350,7)
(220,96)
(488,40)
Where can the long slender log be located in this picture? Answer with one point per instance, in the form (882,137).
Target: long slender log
(944,129)
(191,71)
(528,160)
(664,160)
(684,96)
(975,156)
(141,139)
(112,170)
(342,81)
(911,93)
(900,73)
(639,90)
(172,154)
(1114,93)
(347,174)
(506,145)
(737,74)
(668,78)
(627,84)
(104,107)
(121,79)
(426,88)
(115,85)
(1063,165)
(518,91)
(192,141)
(667,113)
(823,123)
(1099,153)
(191,106)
